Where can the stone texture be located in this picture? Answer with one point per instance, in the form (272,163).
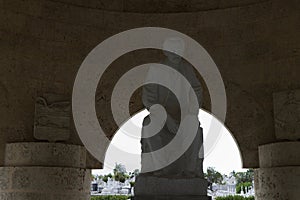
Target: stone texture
(279,154)
(32,172)
(150,185)
(45,154)
(41,196)
(52,118)
(287,114)
(5,178)
(146,6)
(255,44)
(278,183)
(49,183)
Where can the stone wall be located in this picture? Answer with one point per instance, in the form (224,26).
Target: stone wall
(254,44)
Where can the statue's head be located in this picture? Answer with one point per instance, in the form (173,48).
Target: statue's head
(175,45)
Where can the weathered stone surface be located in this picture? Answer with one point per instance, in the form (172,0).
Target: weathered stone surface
(41,196)
(278,183)
(136,6)
(149,185)
(287,114)
(5,181)
(255,44)
(45,154)
(41,183)
(279,154)
(24,196)
(26,179)
(52,118)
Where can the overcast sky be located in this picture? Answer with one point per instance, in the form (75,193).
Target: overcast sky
(220,149)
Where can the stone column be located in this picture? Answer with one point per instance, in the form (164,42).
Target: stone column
(49,169)
(44,171)
(279,174)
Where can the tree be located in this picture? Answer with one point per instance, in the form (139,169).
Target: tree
(244,177)
(120,173)
(213,176)
(100,177)
(105,178)
(244,186)
(135,173)
(119,168)
(120,177)
(110,175)
(94,177)
(131,186)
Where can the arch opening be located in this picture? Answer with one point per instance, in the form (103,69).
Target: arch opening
(125,148)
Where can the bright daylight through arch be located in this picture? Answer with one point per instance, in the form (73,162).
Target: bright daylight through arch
(125,147)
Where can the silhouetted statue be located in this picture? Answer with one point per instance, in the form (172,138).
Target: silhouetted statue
(191,161)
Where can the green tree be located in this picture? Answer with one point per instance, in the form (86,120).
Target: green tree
(105,178)
(120,173)
(119,168)
(242,185)
(131,186)
(94,177)
(135,173)
(110,175)
(244,177)
(213,176)
(120,177)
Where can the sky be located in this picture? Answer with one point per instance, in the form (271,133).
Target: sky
(221,150)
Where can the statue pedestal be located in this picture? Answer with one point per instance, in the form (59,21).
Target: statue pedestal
(168,188)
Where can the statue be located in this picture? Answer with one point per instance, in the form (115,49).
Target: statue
(189,165)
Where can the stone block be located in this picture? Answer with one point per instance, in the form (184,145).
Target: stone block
(44,183)
(279,154)
(287,115)
(5,182)
(157,186)
(277,183)
(51,179)
(14,195)
(52,118)
(24,196)
(45,154)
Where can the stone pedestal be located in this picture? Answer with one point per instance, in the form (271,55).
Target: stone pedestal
(160,188)
(44,171)
(279,173)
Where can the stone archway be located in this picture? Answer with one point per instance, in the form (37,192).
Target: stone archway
(127,141)
(254,43)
